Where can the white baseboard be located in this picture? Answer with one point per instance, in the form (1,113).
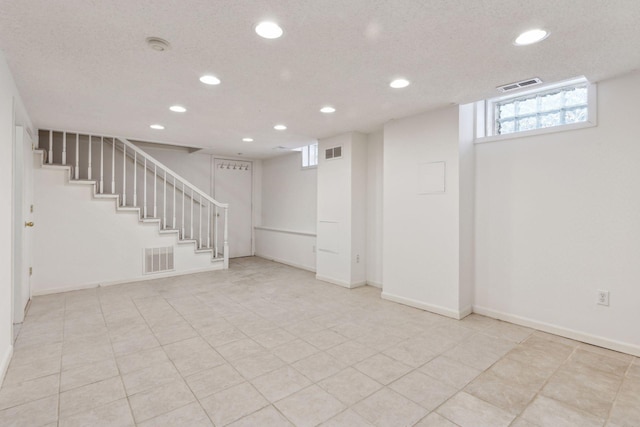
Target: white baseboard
(444,311)
(374,284)
(558,330)
(286,262)
(214,267)
(340,282)
(4,364)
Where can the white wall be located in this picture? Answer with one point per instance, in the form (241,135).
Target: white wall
(558,217)
(83,242)
(375,157)
(421,232)
(12,113)
(194,167)
(287,228)
(289,194)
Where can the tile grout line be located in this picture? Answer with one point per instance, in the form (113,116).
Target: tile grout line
(115,359)
(615,399)
(64,322)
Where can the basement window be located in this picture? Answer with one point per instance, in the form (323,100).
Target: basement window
(309,156)
(563,106)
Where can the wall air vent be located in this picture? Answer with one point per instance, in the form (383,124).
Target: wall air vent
(333,153)
(158,260)
(519,85)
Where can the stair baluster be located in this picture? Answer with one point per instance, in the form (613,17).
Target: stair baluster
(124,174)
(89,160)
(101,165)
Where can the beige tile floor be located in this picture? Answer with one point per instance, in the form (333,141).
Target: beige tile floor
(264,344)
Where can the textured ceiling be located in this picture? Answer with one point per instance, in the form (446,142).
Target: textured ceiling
(84,65)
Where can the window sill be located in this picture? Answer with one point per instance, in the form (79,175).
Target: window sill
(535,132)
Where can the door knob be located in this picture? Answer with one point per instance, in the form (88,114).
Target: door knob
(28,224)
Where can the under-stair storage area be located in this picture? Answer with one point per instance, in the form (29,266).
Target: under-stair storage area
(80,178)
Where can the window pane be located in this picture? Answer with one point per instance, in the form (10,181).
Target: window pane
(548,120)
(305,156)
(527,106)
(313,155)
(507,126)
(506,110)
(576,96)
(575,116)
(552,101)
(528,123)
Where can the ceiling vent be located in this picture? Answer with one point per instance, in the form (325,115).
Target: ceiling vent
(519,85)
(158,44)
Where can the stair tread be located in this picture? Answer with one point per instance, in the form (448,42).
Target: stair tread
(82,181)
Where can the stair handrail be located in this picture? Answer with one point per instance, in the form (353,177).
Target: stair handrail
(154,161)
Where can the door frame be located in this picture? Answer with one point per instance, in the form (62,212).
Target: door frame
(213,191)
(19,215)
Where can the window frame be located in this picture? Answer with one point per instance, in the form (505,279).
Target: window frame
(485,119)
(306,149)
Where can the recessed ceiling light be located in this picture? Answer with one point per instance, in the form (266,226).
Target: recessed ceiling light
(399,83)
(158,127)
(280,127)
(210,80)
(247,139)
(327,110)
(531,37)
(269,30)
(177,109)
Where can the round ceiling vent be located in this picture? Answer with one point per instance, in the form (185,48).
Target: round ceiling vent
(158,44)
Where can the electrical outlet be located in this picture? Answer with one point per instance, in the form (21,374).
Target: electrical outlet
(357,259)
(603,297)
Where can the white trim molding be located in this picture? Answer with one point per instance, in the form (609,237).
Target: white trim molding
(444,311)
(4,364)
(282,261)
(217,265)
(339,282)
(559,330)
(282,230)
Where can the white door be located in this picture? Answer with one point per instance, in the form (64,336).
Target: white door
(23,222)
(233,185)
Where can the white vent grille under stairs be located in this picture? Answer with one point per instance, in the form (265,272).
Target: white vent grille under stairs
(158,260)
(519,85)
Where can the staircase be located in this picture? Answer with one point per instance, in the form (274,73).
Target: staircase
(119,170)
